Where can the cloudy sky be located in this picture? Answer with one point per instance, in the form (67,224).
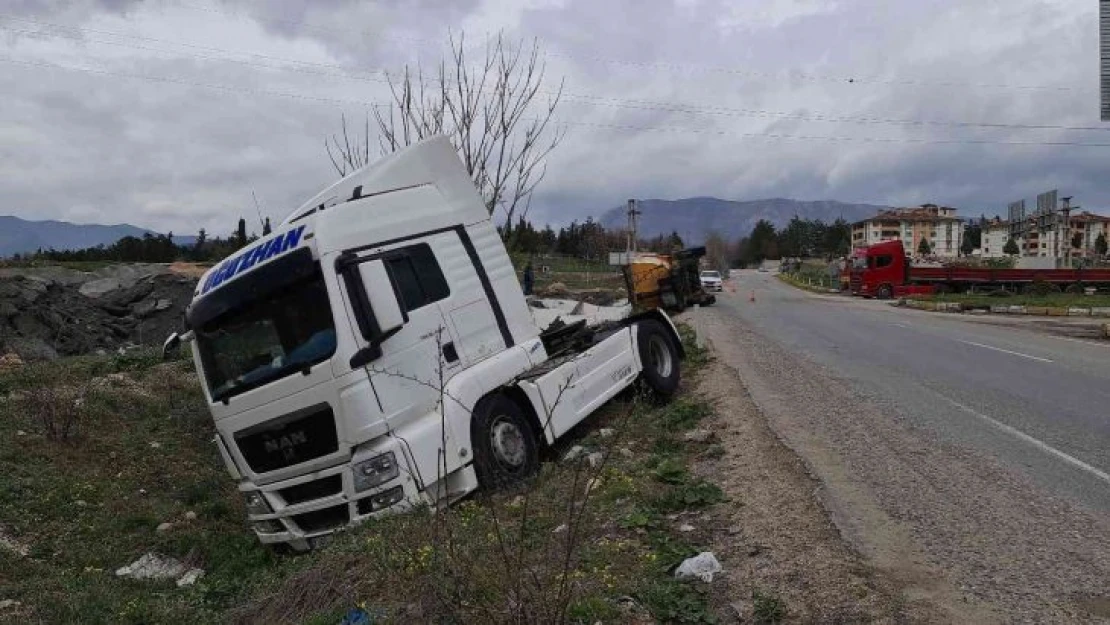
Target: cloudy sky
(168,113)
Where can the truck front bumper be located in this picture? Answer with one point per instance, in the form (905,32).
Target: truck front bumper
(305,509)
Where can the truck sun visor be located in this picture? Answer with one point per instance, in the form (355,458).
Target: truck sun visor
(272,276)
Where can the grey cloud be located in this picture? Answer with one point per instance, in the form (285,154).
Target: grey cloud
(180,157)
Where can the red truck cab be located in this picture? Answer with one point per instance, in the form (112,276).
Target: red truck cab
(883,271)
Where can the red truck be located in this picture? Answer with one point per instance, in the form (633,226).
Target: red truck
(883,271)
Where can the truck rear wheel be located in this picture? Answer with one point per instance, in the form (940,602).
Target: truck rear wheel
(659,356)
(505,447)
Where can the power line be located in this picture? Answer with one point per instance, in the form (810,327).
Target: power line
(674,107)
(181,81)
(681,129)
(326,100)
(670,67)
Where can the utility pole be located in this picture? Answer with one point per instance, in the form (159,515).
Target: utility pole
(1066,227)
(632,222)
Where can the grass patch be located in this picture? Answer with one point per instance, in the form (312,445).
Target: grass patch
(579,545)
(140,455)
(1051,300)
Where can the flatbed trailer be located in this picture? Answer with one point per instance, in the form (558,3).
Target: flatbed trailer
(883,271)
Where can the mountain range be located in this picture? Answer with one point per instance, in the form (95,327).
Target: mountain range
(18,236)
(692,218)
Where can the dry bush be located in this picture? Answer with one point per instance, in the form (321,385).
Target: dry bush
(54,399)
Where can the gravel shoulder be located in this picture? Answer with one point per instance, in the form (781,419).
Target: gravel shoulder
(775,538)
(955,535)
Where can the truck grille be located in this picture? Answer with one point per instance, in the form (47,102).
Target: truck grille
(315,489)
(320,520)
(293,440)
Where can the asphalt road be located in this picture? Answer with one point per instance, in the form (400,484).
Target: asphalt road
(971,459)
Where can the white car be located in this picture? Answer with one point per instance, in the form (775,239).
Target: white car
(711,281)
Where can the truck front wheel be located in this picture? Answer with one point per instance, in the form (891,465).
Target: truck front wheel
(659,356)
(884,292)
(505,447)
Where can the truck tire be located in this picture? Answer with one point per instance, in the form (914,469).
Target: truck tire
(505,448)
(884,292)
(659,356)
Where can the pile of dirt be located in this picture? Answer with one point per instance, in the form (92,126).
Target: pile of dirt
(50,312)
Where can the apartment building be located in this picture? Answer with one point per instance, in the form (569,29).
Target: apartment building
(936,224)
(1054,241)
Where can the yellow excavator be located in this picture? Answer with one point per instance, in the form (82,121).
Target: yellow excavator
(668,281)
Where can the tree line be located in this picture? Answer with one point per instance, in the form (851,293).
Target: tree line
(156,248)
(802,238)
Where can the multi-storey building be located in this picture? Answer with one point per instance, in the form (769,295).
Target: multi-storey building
(936,224)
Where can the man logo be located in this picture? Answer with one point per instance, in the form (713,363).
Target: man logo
(286,445)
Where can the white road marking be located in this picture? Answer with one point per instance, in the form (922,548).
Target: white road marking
(900,325)
(1075,462)
(1006,351)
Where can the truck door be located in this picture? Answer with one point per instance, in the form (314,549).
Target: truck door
(420,357)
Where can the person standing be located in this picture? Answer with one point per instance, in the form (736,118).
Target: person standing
(529,278)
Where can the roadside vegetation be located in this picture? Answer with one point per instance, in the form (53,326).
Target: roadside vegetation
(106,459)
(1049,300)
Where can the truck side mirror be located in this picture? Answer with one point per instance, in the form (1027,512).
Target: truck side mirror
(171,344)
(383,299)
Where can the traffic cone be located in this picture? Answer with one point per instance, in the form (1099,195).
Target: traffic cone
(752,297)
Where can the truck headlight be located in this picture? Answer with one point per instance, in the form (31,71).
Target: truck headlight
(375,471)
(256,503)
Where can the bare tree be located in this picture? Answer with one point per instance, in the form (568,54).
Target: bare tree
(491,110)
(350,153)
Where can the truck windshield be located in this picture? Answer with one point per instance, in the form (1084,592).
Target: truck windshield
(859,263)
(273,335)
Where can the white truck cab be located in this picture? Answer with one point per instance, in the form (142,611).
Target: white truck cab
(376,352)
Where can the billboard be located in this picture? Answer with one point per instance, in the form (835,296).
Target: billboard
(1104,56)
(1046,209)
(1016,218)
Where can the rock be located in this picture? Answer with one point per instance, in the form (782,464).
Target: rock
(164,527)
(592,484)
(153,566)
(734,530)
(9,604)
(94,289)
(606,432)
(574,453)
(7,309)
(556,289)
(142,491)
(81,503)
(595,459)
(535,303)
(162,304)
(12,545)
(685,527)
(10,362)
(559,530)
(143,309)
(625,452)
(32,348)
(20,433)
(155,445)
(190,577)
(190,516)
(697,436)
(702,566)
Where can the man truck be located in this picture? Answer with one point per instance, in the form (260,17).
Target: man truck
(375,352)
(883,271)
